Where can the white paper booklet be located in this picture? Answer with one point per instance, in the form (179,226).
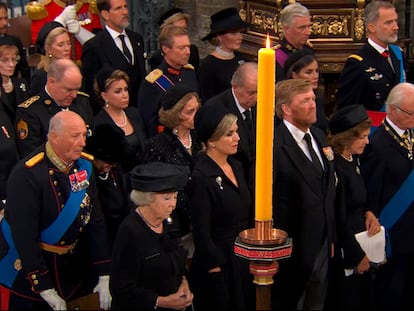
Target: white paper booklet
(373,246)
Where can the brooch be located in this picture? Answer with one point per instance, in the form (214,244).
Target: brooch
(22,86)
(376,77)
(328,152)
(219,181)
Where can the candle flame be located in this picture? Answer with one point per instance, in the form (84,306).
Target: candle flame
(267,41)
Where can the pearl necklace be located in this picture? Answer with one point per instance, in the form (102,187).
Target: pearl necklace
(223,53)
(125,120)
(349,159)
(190,140)
(104,177)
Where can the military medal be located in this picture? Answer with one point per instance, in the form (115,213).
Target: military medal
(79,181)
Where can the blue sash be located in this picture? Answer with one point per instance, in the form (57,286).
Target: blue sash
(397,51)
(397,206)
(164,83)
(50,235)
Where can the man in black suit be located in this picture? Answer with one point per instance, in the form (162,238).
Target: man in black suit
(107,48)
(387,167)
(303,197)
(371,73)
(60,93)
(241,100)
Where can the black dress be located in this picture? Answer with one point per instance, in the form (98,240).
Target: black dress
(215,75)
(350,207)
(145,265)
(219,211)
(165,147)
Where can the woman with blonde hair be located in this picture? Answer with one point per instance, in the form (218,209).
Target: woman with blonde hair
(54,42)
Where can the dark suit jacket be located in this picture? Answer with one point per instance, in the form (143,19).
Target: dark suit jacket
(303,207)
(33,115)
(385,166)
(368,80)
(101,50)
(247,144)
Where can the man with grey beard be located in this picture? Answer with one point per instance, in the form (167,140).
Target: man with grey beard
(371,73)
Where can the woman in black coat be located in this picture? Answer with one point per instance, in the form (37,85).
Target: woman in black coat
(348,134)
(112,90)
(148,264)
(220,204)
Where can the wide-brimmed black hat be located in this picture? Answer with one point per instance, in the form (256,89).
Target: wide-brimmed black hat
(174,94)
(207,119)
(346,118)
(223,21)
(159,177)
(107,143)
(43,33)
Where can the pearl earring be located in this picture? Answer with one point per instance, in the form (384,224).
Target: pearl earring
(213,145)
(50,55)
(106,103)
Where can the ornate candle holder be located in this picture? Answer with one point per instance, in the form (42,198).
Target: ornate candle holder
(263,246)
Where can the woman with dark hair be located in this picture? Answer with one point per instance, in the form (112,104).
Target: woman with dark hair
(111,88)
(348,135)
(303,64)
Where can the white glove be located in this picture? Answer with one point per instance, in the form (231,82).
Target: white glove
(67,14)
(102,288)
(73,26)
(53,299)
(83,35)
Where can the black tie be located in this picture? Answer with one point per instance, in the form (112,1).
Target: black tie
(125,49)
(248,119)
(315,159)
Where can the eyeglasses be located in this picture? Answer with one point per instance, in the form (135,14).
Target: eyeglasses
(10,60)
(408,114)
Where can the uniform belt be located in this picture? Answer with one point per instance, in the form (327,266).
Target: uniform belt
(60,250)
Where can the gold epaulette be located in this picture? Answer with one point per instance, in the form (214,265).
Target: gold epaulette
(87,156)
(28,102)
(35,159)
(154,75)
(277,46)
(188,66)
(83,93)
(355,56)
(93,8)
(36,10)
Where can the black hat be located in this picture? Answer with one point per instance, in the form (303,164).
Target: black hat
(8,40)
(106,143)
(174,94)
(295,56)
(103,74)
(159,177)
(208,118)
(224,20)
(346,118)
(43,33)
(170,13)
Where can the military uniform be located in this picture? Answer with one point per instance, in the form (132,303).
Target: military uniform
(38,192)
(367,78)
(33,115)
(283,50)
(155,85)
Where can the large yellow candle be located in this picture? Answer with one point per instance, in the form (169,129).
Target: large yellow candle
(264,133)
